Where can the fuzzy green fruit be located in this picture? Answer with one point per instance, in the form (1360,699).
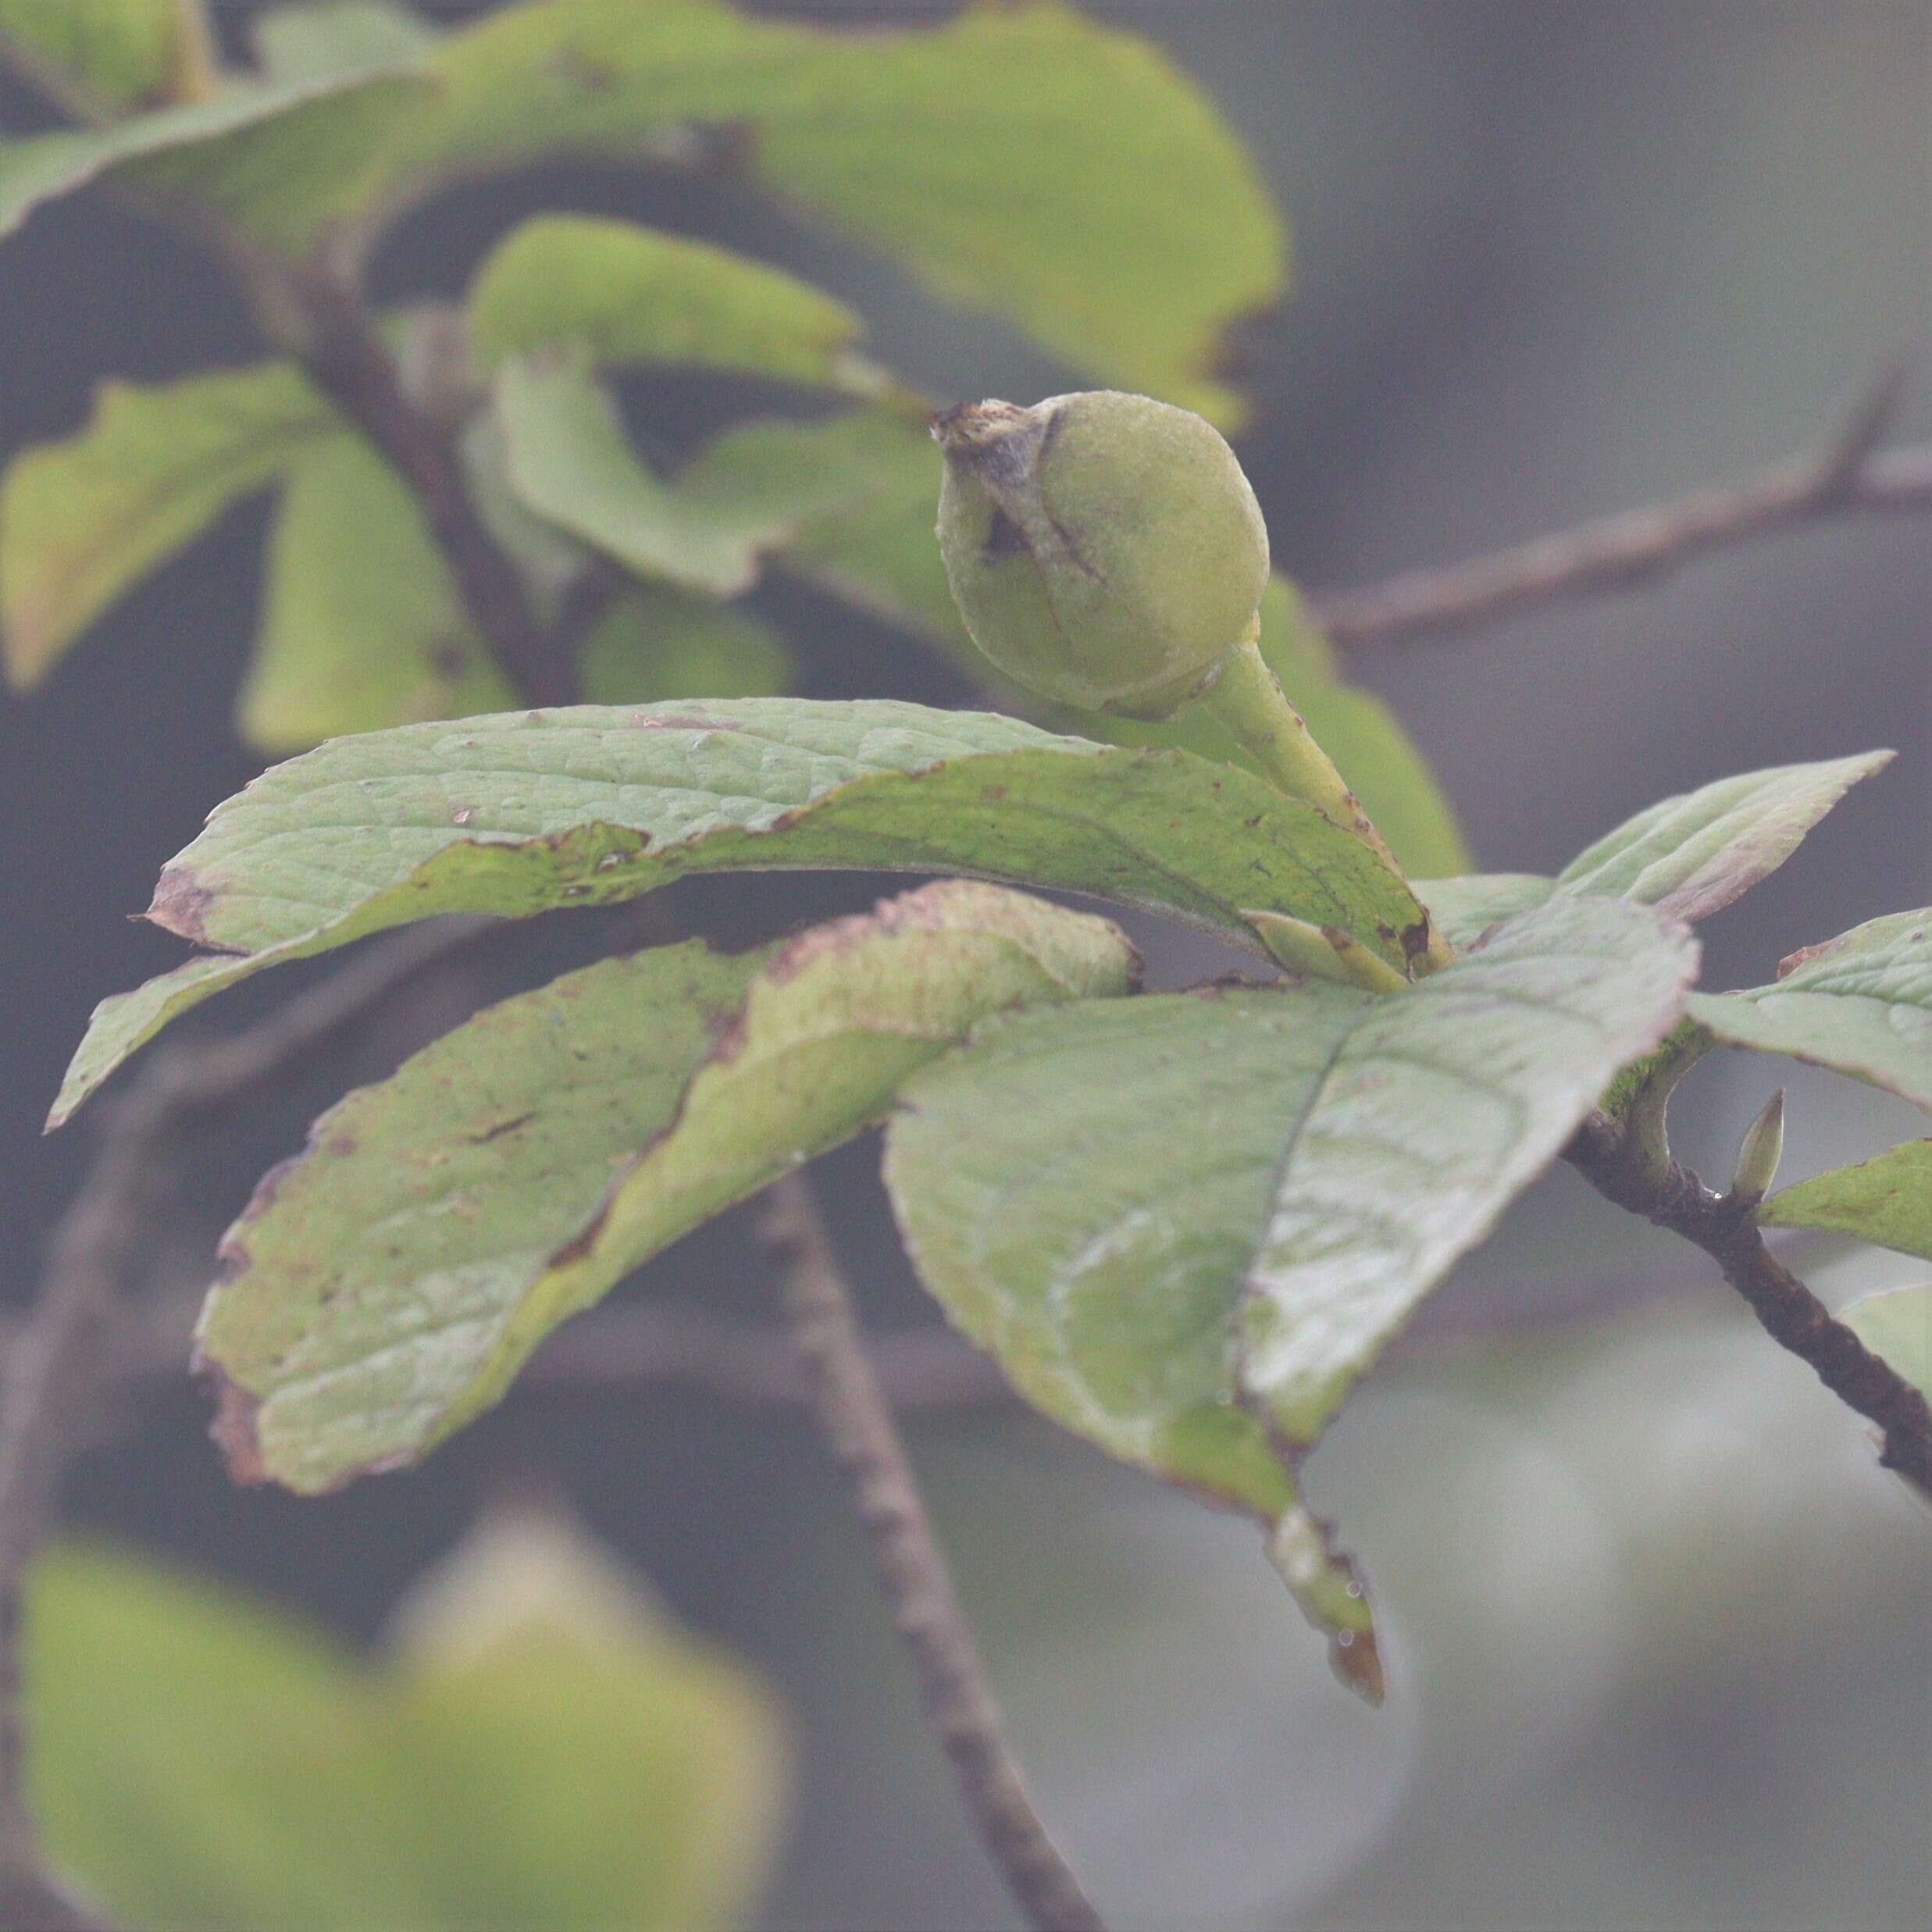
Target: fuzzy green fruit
(1105,550)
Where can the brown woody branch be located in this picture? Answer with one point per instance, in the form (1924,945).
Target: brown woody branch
(346,356)
(1850,475)
(1614,1161)
(911,1568)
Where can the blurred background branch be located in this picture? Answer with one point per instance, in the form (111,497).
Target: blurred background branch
(1850,474)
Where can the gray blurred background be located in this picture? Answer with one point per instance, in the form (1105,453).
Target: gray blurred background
(1661,1652)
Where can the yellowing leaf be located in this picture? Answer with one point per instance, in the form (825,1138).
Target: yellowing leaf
(385,1288)
(1025,160)
(360,624)
(82,520)
(125,53)
(632,294)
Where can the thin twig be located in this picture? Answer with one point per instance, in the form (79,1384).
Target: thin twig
(1849,474)
(347,357)
(66,1354)
(911,1568)
(1610,1157)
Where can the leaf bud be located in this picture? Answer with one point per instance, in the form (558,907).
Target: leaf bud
(1758,1157)
(1105,550)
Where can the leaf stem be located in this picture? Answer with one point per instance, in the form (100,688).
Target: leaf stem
(1247,701)
(911,1566)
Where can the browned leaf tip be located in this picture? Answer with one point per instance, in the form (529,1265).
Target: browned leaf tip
(233,1429)
(181,904)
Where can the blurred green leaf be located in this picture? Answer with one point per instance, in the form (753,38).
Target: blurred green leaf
(1861,1003)
(542,1751)
(1020,159)
(82,520)
(385,1288)
(632,294)
(1693,855)
(200,1762)
(655,643)
(617,1772)
(1429,1113)
(567,460)
(277,161)
(519,812)
(1052,1208)
(337,38)
(1886,1200)
(1897,1324)
(859,495)
(360,624)
(124,53)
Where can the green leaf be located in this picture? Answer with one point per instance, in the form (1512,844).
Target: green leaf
(1886,1200)
(1024,160)
(568,461)
(385,1288)
(632,294)
(655,643)
(1466,906)
(1897,1325)
(1693,855)
(1052,1208)
(1689,856)
(855,495)
(124,53)
(1194,1298)
(361,627)
(1431,1113)
(1861,1003)
(337,38)
(278,161)
(82,520)
(517,813)
(540,1749)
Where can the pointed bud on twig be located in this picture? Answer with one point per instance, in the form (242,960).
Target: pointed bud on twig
(1758,1156)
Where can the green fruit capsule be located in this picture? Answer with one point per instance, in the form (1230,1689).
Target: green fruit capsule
(1105,550)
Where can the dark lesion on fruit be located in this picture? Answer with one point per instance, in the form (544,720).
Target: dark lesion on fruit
(1004,537)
